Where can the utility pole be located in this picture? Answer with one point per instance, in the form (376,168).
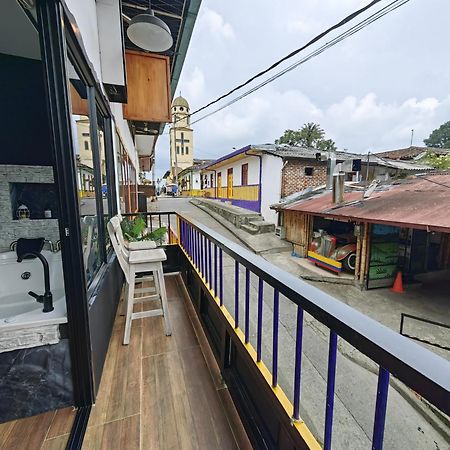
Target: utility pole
(412,136)
(367,175)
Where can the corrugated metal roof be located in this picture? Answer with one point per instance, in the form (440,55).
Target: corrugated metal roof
(291,151)
(409,153)
(418,203)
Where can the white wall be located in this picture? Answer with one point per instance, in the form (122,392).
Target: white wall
(253,171)
(271,186)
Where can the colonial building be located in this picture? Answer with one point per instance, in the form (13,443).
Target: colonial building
(181,137)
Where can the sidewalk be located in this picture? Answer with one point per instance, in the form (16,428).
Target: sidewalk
(261,244)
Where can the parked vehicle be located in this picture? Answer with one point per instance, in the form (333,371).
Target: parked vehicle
(171,189)
(327,245)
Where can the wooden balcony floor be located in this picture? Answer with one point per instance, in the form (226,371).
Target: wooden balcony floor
(46,431)
(163,392)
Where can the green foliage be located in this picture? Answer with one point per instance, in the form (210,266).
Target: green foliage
(135,230)
(436,161)
(310,135)
(440,137)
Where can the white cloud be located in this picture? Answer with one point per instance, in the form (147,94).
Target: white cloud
(215,24)
(357,124)
(306,26)
(194,86)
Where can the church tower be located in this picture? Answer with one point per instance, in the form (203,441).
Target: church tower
(181,137)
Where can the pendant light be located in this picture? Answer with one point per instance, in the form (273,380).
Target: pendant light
(149,32)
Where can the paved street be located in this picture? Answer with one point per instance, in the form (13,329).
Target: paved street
(355,385)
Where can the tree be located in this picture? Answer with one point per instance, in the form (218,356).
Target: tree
(310,135)
(440,137)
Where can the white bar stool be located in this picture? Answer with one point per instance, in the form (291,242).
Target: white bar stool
(134,263)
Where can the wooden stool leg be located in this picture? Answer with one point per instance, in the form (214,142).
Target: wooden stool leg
(125,299)
(130,299)
(164,304)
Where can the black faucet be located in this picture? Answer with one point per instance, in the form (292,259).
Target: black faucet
(47,298)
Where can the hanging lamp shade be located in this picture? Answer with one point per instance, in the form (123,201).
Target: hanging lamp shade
(149,32)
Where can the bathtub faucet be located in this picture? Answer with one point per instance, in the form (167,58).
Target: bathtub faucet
(47,298)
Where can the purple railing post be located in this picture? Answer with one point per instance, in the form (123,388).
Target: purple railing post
(209,264)
(215,270)
(247,305)
(236,294)
(259,329)
(194,246)
(331,382)
(276,316)
(298,362)
(197,250)
(221,276)
(380,409)
(202,255)
(190,241)
(206,240)
(205,259)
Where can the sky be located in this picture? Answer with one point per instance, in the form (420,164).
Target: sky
(367,92)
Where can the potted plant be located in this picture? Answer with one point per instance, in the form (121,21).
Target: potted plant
(135,230)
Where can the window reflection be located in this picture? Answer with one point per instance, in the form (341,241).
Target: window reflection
(104,179)
(85,167)
(127,181)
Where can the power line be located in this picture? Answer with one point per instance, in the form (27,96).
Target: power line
(293,53)
(364,23)
(354,29)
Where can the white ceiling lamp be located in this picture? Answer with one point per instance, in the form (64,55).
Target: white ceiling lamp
(149,32)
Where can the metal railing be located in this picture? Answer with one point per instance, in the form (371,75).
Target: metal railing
(419,369)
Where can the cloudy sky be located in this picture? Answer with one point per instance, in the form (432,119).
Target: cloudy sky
(367,92)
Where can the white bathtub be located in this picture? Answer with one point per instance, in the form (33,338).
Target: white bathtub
(20,311)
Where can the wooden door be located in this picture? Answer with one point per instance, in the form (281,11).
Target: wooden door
(219,185)
(230,183)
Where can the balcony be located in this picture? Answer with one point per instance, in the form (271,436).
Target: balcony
(163,392)
(244,369)
(257,320)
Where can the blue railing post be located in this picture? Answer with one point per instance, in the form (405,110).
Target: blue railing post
(205,258)
(202,255)
(298,363)
(195,249)
(221,276)
(260,318)
(380,409)
(276,317)
(331,382)
(215,270)
(236,294)
(209,265)
(247,305)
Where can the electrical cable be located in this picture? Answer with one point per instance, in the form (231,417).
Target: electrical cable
(376,16)
(293,53)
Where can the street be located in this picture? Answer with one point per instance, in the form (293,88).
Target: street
(356,386)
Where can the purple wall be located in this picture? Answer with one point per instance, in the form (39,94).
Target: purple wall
(252,205)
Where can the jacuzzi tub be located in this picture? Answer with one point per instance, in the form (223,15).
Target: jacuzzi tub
(22,322)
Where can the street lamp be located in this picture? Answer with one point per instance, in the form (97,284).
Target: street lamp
(149,32)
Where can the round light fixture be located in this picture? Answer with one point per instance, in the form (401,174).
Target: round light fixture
(149,32)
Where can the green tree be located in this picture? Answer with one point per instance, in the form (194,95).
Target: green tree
(440,137)
(309,135)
